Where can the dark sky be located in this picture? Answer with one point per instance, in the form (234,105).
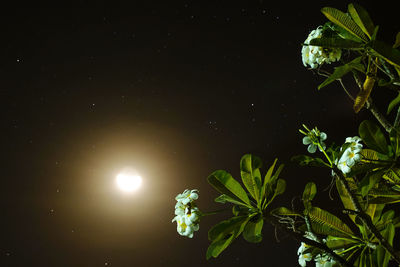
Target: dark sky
(173,89)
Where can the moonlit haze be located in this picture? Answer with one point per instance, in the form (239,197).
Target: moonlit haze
(128,182)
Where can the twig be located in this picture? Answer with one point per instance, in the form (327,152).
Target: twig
(366,219)
(344,88)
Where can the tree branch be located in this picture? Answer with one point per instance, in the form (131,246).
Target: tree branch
(299,237)
(379,116)
(366,219)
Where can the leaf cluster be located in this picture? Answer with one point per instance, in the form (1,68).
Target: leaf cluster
(249,203)
(377,62)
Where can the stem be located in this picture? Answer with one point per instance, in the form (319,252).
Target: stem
(382,120)
(344,88)
(299,237)
(323,151)
(213,212)
(365,218)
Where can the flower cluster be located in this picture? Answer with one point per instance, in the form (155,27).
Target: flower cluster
(314,138)
(351,154)
(320,260)
(186,213)
(316,55)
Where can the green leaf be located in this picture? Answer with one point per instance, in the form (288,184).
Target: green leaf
(283,211)
(335,243)
(304,160)
(396,222)
(369,154)
(374,211)
(393,103)
(252,230)
(333,42)
(369,181)
(267,179)
(280,187)
(270,190)
(310,190)
(397,42)
(384,220)
(394,137)
(277,188)
(216,248)
(309,193)
(373,37)
(373,137)
(343,20)
(345,197)
(340,71)
(386,52)
(393,176)
(385,200)
(225,198)
(250,171)
(223,234)
(383,195)
(224,183)
(383,256)
(362,18)
(239,210)
(223,228)
(342,33)
(325,223)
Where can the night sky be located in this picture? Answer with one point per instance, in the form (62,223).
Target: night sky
(175,90)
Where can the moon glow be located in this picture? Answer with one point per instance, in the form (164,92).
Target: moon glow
(128,182)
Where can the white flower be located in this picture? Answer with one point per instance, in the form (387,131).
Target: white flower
(351,155)
(191,216)
(316,55)
(184,229)
(187,196)
(312,147)
(303,257)
(324,261)
(354,143)
(180,208)
(342,165)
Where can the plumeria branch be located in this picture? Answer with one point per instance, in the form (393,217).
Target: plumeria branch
(299,237)
(379,116)
(364,217)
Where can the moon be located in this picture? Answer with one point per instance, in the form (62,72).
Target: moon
(128,182)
